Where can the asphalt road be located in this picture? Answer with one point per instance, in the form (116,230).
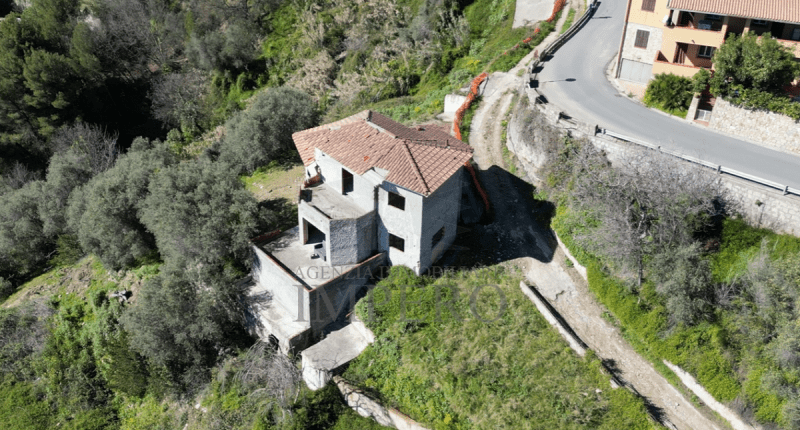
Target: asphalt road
(574,80)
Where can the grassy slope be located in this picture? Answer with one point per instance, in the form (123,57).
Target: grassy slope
(515,372)
(492,42)
(706,350)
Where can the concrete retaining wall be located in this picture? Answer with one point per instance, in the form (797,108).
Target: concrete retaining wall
(576,344)
(768,129)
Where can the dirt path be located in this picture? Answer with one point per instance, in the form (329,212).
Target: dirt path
(516,235)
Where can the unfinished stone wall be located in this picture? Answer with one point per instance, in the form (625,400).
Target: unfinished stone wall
(760,206)
(768,129)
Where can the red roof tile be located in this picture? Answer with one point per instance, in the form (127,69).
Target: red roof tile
(419,159)
(772,10)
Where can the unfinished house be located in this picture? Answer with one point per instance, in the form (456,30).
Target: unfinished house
(376,193)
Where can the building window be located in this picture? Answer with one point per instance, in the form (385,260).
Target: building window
(759,23)
(397,242)
(347,182)
(706,51)
(641,38)
(437,237)
(649,5)
(397,200)
(711,17)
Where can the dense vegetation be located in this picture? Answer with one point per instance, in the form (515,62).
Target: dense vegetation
(752,72)
(669,93)
(688,280)
(124,129)
(469,350)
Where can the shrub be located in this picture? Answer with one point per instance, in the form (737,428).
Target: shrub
(23,246)
(701,80)
(669,92)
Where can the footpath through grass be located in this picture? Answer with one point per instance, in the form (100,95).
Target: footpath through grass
(469,350)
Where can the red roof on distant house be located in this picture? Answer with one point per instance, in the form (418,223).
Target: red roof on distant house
(770,10)
(420,159)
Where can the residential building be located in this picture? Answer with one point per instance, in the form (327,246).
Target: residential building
(680,36)
(376,192)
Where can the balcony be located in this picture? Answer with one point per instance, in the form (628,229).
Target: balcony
(662,65)
(695,36)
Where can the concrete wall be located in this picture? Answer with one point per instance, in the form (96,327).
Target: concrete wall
(363,190)
(352,240)
(328,300)
(768,129)
(291,293)
(404,223)
(642,55)
(440,209)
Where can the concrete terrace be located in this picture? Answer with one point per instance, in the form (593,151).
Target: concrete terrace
(297,258)
(332,203)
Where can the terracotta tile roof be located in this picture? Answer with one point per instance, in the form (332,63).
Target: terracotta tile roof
(772,10)
(420,159)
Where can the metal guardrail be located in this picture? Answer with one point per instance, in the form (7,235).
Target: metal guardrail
(554,45)
(716,167)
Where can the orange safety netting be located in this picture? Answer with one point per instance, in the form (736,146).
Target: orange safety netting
(474,175)
(473,92)
(557,6)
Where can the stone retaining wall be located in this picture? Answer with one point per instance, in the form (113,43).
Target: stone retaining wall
(768,129)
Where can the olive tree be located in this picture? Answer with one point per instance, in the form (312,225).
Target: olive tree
(105,213)
(255,136)
(200,212)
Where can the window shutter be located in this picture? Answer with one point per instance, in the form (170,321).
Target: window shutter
(641,38)
(649,5)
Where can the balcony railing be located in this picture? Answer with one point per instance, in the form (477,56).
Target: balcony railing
(662,65)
